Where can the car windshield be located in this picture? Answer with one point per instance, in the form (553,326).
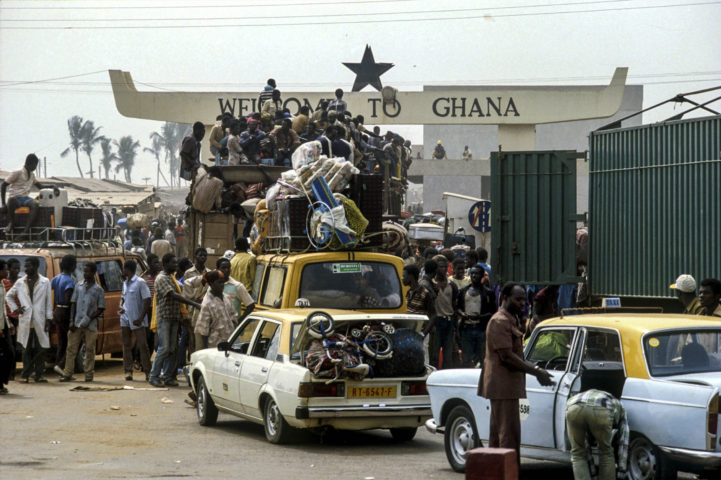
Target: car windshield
(680,352)
(351,285)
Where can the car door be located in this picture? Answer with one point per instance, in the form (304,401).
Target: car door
(549,348)
(227,366)
(594,345)
(256,366)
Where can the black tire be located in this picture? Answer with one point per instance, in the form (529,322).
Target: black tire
(403,434)
(319,324)
(646,462)
(378,345)
(207,411)
(460,436)
(277,429)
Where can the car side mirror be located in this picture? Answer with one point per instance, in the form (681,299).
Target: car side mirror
(223,346)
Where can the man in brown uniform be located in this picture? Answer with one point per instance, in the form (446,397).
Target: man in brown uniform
(503,377)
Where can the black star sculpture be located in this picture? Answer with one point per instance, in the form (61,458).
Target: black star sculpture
(368,72)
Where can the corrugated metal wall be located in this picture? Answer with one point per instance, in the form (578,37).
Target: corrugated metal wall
(533,217)
(654,207)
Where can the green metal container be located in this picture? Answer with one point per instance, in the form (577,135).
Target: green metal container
(655,207)
(533,217)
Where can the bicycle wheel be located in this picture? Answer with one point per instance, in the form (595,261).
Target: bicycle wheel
(319,324)
(378,345)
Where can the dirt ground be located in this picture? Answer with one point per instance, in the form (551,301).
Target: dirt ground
(50,431)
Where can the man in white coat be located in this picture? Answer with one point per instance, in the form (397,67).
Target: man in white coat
(31,299)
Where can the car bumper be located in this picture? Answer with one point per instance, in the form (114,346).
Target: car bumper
(698,458)
(369,411)
(433,427)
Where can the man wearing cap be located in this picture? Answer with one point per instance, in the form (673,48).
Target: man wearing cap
(685,287)
(439,152)
(275,104)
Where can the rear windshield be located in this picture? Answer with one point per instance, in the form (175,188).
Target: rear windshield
(351,285)
(681,352)
(42,267)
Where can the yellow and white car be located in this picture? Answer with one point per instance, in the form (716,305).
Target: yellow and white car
(672,370)
(260,375)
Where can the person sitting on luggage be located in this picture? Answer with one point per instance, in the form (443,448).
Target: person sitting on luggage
(286,141)
(21,182)
(250,141)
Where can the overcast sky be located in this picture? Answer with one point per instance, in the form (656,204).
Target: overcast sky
(54,56)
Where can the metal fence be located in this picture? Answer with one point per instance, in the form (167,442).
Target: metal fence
(654,206)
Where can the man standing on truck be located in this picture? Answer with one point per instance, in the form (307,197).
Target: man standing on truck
(503,377)
(242,265)
(86,305)
(190,152)
(31,299)
(63,286)
(21,182)
(170,312)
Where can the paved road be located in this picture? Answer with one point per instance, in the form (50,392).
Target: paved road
(51,432)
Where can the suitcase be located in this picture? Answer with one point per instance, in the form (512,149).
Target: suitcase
(367,193)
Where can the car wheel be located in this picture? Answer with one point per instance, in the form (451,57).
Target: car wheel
(460,437)
(403,434)
(277,429)
(207,411)
(645,462)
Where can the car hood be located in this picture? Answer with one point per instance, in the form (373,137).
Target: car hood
(342,321)
(711,379)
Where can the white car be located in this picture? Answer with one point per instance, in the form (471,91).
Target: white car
(260,375)
(672,370)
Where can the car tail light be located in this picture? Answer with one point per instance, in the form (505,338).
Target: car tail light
(321,389)
(712,422)
(414,388)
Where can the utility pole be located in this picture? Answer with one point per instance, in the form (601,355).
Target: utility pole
(45,167)
(146,179)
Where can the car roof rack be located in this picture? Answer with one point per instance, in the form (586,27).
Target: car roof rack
(586,310)
(83,241)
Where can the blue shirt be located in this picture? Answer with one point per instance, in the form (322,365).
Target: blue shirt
(486,267)
(87,299)
(135,293)
(61,284)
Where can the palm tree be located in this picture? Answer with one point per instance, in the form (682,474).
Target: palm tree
(157,148)
(75,129)
(126,155)
(170,137)
(90,137)
(108,156)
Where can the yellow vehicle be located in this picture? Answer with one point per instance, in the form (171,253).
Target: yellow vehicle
(109,259)
(349,280)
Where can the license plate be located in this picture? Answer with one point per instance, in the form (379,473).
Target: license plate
(386,391)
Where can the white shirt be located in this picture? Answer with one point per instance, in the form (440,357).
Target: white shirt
(37,311)
(21,182)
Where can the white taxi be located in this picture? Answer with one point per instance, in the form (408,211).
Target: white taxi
(261,374)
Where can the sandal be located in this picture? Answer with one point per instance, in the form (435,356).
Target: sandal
(41,380)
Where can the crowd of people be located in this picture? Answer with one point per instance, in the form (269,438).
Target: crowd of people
(271,135)
(173,307)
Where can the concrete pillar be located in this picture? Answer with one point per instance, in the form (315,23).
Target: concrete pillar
(513,138)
